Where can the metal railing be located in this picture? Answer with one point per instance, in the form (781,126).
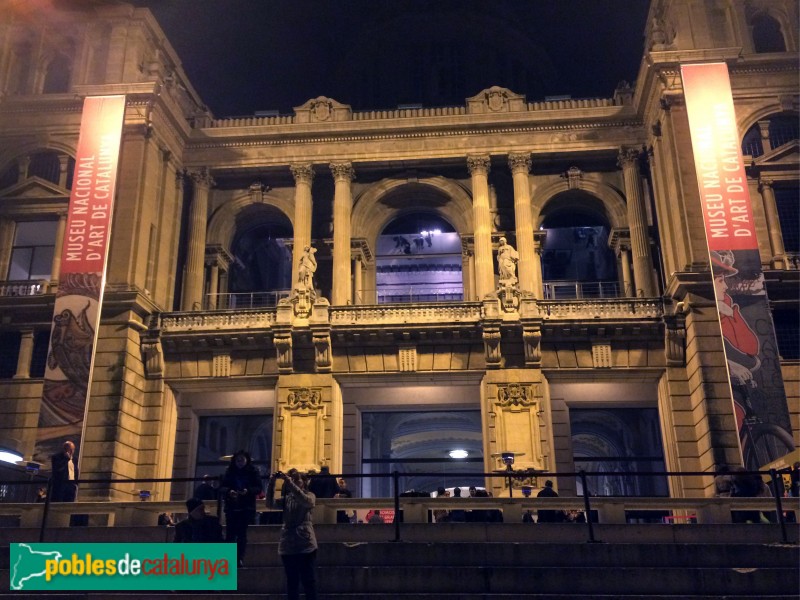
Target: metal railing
(244,300)
(572,290)
(414,293)
(408,508)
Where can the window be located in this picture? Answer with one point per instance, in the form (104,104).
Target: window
(221,436)
(32,254)
(788,204)
(622,440)
(9,353)
(420,443)
(767,34)
(56,80)
(787,330)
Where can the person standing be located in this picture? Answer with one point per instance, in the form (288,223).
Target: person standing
(65,472)
(297,546)
(323,485)
(548,516)
(240,486)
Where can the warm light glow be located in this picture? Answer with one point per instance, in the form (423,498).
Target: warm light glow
(10,457)
(459,454)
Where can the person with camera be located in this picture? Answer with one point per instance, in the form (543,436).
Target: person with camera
(240,486)
(297,546)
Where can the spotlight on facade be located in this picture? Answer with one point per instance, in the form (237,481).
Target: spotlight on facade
(458,454)
(507,458)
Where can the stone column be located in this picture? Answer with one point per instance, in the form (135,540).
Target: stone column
(763,129)
(303,174)
(25,355)
(358,281)
(520,164)
(213,285)
(773,223)
(8,230)
(539,238)
(343,175)
(195,258)
(63,170)
(625,262)
(55,267)
(482,224)
(637,223)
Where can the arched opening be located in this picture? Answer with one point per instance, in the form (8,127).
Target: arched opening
(767,34)
(261,271)
(576,259)
(58,75)
(418,259)
(782,128)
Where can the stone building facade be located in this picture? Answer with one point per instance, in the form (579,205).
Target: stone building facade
(603,350)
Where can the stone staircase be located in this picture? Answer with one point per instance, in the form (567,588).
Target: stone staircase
(501,561)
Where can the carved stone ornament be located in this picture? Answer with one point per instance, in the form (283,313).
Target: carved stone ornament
(573,177)
(322,351)
(152,356)
(532,339)
(283,347)
(343,171)
(479,164)
(496,99)
(675,341)
(302,172)
(304,398)
(514,394)
(491,341)
(321,109)
(520,162)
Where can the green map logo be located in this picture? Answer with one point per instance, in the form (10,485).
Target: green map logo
(123,567)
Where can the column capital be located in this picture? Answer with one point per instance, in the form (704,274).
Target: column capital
(201,177)
(628,155)
(479,164)
(302,172)
(765,182)
(343,171)
(520,162)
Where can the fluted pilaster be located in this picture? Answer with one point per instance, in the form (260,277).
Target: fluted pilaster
(520,164)
(637,223)
(343,175)
(479,167)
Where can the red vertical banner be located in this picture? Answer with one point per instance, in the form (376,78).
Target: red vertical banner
(751,349)
(80,287)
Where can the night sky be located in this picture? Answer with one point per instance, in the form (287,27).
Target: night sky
(244,56)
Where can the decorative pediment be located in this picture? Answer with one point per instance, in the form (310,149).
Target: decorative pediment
(787,155)
(322,110)
(35,187)
(496,100)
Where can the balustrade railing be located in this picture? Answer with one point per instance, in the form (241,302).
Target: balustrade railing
(24,288)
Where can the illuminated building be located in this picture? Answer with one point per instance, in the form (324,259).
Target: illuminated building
(605,354)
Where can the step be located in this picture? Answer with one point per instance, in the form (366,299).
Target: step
(525,555)
(582,582)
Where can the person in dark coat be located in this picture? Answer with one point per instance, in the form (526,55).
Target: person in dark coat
(241,484)
(65,472)
(548,516)
(198,527)
(323,485)
(206,490)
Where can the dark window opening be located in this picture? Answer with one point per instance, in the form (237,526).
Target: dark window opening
(41,344)
(9,353)
(767,34)
(220,436)
(787,330)
(787,200)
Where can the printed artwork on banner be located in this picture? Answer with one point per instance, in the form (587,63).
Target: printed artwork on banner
(76,314)
(751,349)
